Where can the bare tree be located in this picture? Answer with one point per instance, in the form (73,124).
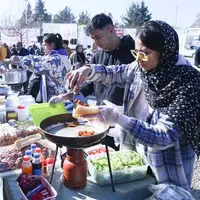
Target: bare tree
(196,23)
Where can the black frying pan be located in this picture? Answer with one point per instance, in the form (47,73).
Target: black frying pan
(55,131)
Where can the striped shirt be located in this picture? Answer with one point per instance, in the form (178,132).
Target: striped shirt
(164,147)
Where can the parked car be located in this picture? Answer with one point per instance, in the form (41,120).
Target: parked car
(188,51)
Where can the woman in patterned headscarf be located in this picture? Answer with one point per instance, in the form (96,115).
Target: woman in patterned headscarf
(161,103)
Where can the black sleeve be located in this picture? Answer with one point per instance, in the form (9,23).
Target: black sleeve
(88,90)
(197,57)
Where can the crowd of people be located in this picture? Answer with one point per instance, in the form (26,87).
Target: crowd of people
(157,87)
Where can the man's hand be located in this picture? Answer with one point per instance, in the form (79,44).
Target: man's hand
(76,77)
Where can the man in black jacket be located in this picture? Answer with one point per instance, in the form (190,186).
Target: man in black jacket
(113,51)
(197,58)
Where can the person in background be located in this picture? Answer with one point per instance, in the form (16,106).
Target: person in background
(66,46)
(78,59)
(88,47)
(21,51)
(13,50)
(54,65)
(197,58)
(31,50)
(8,50)
(113,51)
(91,51)
(161,103)
(36,50)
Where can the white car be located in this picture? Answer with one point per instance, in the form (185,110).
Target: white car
(188,51)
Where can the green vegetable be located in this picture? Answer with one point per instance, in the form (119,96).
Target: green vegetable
(119,161)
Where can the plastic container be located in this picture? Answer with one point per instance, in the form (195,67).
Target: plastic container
(22,113)
(47,185)
(43,110)
(26,166)
(98,149)
(119,176)
(12,100)
(2,112)
(37,165)
(26,100)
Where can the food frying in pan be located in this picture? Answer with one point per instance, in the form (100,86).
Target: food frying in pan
(86,133)
(72,124)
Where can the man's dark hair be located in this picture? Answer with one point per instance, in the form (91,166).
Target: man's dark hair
(98,22)
(66,42)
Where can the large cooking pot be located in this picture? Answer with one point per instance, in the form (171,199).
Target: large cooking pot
(55,130)
(13,76)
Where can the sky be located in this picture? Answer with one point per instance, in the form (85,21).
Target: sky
(179,12)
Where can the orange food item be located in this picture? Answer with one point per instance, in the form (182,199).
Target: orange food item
(79,102)
(86,133)
(73,124)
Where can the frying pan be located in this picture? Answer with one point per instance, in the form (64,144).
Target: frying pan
(54,130)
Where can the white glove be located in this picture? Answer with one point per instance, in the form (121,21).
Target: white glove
(110,115)
(56,99)
(107,115)
(116,133)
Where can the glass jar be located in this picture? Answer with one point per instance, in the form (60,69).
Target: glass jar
(11,113)
(75,169)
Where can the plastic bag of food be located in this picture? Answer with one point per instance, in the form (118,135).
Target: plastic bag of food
(8,134)
(166,191)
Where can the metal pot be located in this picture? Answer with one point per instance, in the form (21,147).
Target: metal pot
(13,76)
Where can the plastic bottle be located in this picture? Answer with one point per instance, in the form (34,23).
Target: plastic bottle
(33,147)
(38,150)
(22,113)
(26,166)
(50,161)
(37,165)
(28,153)
(43,160)
(44,165)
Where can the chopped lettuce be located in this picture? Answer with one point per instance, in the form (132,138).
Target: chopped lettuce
(119,161)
